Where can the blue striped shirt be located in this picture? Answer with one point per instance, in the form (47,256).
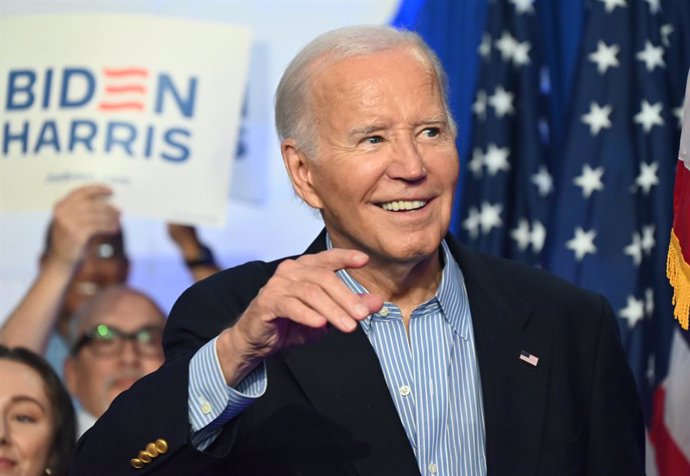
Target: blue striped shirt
(433,376)
(433,379)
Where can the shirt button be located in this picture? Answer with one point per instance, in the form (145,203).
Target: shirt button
(433,469)
(383,312)
(404,390)
(205,408)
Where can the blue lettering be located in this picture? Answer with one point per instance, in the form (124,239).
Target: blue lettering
(126,140)
(47,136)
(148,142)
(20,81)
(87,78)
(46,88)
(182,148)
(86,139)
(7,136)
(185,105)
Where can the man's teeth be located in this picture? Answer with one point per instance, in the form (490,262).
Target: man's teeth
(403,205)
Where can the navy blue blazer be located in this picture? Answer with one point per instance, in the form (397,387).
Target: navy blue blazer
(327,410)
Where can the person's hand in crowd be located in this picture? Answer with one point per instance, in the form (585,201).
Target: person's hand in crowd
(296,305)
(81,216)
(84,213)
(197,256)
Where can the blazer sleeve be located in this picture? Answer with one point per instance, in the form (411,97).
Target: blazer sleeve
(156,407)
(616,424)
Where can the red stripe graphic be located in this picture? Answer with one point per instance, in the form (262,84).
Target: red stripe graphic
(120,82)
(120,72)
(669,458)
(109,106)
(129,88)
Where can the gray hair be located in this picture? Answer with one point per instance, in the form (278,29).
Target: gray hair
(292,99)
(99,303)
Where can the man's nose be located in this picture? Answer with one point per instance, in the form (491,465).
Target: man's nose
(408,162)
(129,353)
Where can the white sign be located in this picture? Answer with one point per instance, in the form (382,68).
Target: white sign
(147,105)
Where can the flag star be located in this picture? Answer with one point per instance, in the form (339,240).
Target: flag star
(471,223)
(502,102)
(605,57)
(648,240)
(651,55)
(590,180)
(475,165)
(522,235)
(649,116)
(582,243)
(666,32)
(485,46)
(634,249)
(597,118)
(647,178)
(496,159)
(611,4)
(538,236)
(633,311)
(521,53)
(490,217)
(678,112)
(653,5)
(479,106)
(506,45)
(649,301)
(542,179)
(523,6)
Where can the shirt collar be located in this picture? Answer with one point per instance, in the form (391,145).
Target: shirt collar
(451,293)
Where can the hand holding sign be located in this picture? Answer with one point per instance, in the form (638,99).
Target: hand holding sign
(84,213)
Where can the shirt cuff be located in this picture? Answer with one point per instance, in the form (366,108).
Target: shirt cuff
(211,402)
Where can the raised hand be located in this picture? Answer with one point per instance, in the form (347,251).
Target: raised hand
(296,305)
(82,214)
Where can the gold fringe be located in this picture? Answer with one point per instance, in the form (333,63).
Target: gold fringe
(678,273)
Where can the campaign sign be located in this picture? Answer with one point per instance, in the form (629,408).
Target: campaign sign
(147,105)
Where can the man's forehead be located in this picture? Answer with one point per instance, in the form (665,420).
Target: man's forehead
(127,311)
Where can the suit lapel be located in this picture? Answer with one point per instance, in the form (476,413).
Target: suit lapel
(349,390)
(342,378)
(513,391)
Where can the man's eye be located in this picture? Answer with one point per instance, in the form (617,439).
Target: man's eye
(373,140)
(432,131)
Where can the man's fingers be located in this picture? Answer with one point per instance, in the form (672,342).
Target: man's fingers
(335,259)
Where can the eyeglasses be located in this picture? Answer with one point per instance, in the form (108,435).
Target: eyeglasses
(106,341)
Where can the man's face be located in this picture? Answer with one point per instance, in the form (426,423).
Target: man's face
(386,165)
(94,376)
(104,265)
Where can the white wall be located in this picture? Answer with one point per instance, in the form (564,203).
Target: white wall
(275,225)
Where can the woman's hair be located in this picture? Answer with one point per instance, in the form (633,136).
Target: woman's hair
(62,411)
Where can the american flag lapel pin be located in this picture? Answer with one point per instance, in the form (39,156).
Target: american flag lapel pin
(529,358)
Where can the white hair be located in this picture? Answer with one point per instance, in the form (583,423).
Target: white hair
(293,116)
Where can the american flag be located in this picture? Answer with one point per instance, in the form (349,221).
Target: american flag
(508,182)
(597,208)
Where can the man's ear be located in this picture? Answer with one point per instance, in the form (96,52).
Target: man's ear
(300,170)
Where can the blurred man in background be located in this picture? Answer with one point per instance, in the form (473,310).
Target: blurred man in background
(84,253)
(114,339)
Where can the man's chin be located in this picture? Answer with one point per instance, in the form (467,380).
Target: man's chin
(120,385)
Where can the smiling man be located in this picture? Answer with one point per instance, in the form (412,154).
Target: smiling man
(387,347)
